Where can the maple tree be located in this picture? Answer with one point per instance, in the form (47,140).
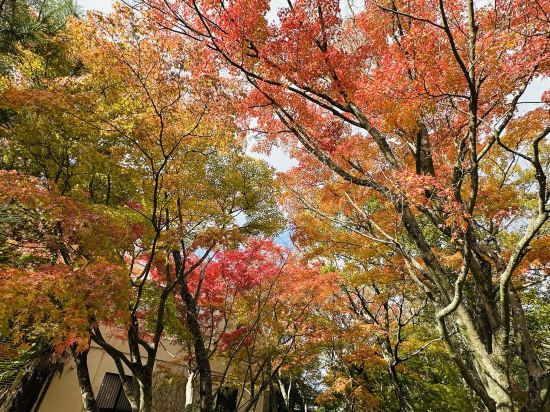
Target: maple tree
(380,325)
(421,243)
(250,311)
(282,341)
(142,141)
(58,283)
(414,104)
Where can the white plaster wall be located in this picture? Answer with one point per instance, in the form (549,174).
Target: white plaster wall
(63,394)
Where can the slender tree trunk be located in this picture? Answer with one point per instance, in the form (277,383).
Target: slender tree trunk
(201,355)
(88,397)
(131,390)
(400,392)
(397,386)
(108,192)
(285,393)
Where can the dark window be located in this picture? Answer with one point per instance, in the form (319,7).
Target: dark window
(111,397)
(226,401)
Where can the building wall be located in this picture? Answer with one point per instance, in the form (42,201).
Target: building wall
(63,393)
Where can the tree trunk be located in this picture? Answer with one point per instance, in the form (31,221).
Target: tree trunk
(201,355)
(88,397)
(491,367)
(539,379)
(397,385)
(400,392)
(285,393)
(145,393)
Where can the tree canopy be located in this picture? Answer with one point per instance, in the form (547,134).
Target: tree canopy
(132,207)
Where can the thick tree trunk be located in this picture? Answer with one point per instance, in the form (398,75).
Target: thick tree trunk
(146,393)
(88,397)
(201,355)
(491,367)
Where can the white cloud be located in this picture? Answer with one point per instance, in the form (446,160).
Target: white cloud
(278,159)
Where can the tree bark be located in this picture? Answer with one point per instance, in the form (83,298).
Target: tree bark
(538,398)
(397,386)
(88,397)
(145,392)
(285,393)
(492,371)
(201,355)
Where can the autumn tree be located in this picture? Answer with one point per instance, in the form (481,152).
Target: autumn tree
(252,308)
(381,321)
(56,276)
(417,105)
(132,132)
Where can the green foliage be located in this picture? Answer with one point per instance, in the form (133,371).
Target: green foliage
(32,25)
